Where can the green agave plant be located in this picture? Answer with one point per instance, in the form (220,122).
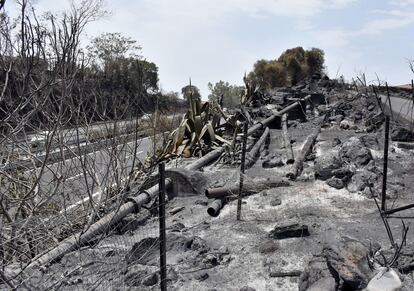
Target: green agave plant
(195,130)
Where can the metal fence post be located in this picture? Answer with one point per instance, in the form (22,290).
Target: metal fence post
(389,101)
(242,170)
(163,241)
(384,178)
(412,88)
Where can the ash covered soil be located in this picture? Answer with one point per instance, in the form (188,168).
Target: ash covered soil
(331,202)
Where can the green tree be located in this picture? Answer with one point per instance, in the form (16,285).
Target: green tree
(190,89)
(128,82)
(295,70)
(292,66)
(110,47)
(170,101)
(315,59)
(226,94)
(297,53)
(294,61)
(269,74)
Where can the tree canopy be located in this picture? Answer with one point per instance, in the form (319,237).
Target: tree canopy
(190,89)
(110,47)
(226,94)
(123,73)
(292,66)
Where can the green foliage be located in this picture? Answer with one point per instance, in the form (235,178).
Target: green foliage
(117,83)
(268,74)
(197,130)
(226,95)
(315,59)
(297,53)
(295,70)
(128,83)
(190,90)
(193,129)
(120,62)
(126,86)
(293,66)
(171,102)
(109,47)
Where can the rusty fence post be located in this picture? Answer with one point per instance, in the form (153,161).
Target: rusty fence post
(163,242)
(242,170)
(384,178)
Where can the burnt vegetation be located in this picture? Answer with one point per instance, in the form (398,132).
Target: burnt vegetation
(298,156)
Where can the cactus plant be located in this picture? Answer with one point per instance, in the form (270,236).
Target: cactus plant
(196,132)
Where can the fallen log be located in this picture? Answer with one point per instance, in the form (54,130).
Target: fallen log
(213,209)
(297,166)
(254,152)
(250,188)
(289,231)
(270,119)
(287,140)
(205,160)
(104,224)
(281,274)
(176,210)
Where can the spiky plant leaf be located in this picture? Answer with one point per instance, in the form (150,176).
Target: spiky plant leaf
(207,130)
(179,136)
(198,125)
(223,140)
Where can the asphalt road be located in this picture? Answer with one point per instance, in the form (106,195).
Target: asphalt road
(71,184)
(73,177)
(401,106)
(35,143)
(71,134)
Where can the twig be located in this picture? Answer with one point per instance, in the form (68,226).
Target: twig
(4,278)
(280,274)
(384,220)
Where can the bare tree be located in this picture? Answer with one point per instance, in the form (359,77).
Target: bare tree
(2,2)
(46,125)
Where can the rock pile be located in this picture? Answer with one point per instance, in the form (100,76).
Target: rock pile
(341,265)
(349,164)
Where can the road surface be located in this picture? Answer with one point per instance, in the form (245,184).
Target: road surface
(71,184)
(401,107)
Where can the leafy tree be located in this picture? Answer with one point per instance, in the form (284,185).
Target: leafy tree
(315,59)
(295,71)
(297,53)
(226,94)
(292,66)
(109,47)
(171,101)
(269,74)
(190,89)
(123,74)
(172,95)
